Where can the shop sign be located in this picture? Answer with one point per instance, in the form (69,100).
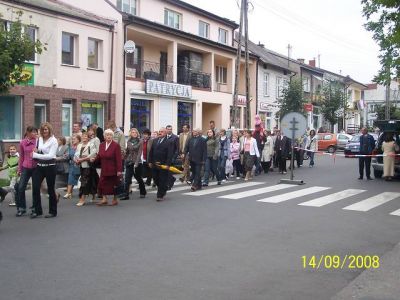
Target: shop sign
(28,75)
(241,100)
(92,105)
(263,106)
(168,89)
(308,107)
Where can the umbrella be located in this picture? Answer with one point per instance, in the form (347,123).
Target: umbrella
(171,168)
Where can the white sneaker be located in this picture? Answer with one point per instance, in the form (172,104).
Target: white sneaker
(237,177)
(232,175)
(12,204)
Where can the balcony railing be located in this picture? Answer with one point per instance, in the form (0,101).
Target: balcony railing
(194,78)
(150,70)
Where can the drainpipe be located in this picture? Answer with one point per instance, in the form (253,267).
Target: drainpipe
(111,71)
(258,60)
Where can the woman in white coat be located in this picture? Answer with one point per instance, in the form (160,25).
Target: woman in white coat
(312,146)
(250,151)
(268,152)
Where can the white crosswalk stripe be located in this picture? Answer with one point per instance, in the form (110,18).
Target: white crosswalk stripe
(224,188)
(187,187)
(332,198)
(373,202)
(259,191)
(295,194)
(396,213)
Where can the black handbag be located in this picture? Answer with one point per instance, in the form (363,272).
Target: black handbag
(120,188)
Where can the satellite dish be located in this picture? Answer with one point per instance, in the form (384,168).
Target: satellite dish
(129,46)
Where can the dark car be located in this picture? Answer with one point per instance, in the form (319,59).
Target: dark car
(392,128)
(353,146)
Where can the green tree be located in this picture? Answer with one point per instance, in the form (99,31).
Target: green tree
(16,48)
(333,102)
(383,18)
(292,99)
(394,112)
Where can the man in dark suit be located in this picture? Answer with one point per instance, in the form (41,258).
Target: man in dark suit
(174,140)
(197,150)
(161,153)
(282,148)
(367,145)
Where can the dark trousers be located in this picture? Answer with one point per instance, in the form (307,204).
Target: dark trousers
(131,171)
(221,164)
(161,180)
(147,172)
(23,183)
(299,157)
(39,174)
(281,159)
(196,171)
(266,165)
(367,162)
(210,166)
(237,167)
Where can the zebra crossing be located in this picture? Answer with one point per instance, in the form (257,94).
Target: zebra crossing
(320,196)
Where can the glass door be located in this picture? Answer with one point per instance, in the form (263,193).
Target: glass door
(66,119)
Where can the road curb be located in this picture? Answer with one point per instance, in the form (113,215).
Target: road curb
(373,284)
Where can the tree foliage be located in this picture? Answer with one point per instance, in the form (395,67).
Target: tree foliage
(394,112)
(16,47)
(292,100)
(383,18)
(333,102)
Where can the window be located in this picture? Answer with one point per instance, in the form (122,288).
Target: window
(306,84)
(220,74)
(327,137)
(223,36)
(140,114)
(66,118)
(185,114)
(281,85)
(266,84)
(128,6)
(204,29)
(94,50)
(40,113)
(92,112)
(68,49)
(172,19)
(10,118)
(31,32)
(134,63)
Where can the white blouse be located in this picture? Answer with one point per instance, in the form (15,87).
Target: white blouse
(48,149)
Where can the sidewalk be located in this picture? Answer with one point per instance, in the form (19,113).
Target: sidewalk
(376,284)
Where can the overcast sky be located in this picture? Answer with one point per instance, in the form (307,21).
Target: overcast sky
(332,28)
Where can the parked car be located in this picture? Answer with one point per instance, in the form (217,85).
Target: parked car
(332,141)
(386,127)
(353,146)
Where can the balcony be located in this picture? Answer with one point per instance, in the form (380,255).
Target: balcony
(143,70)
(196,79)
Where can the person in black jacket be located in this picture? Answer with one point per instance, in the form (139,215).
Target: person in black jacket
(161,152)
(367,145)
(99,132)
(197,150)
(174,140)
(282,148)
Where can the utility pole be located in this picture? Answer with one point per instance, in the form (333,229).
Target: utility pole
(235,119)
(387,104)
(246,49)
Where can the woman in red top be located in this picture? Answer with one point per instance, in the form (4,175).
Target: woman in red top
(109,157)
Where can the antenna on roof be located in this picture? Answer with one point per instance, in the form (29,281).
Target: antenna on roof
(289,52)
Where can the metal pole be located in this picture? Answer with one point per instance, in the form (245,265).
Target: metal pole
(387,102)
(292,158)
(246,42)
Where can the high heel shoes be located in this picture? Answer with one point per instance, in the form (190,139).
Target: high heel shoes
(68,196)
(81,203)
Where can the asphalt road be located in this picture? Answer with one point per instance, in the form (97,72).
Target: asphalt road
(204,247)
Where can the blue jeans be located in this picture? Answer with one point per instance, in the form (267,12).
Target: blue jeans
(211,164)
(221,163)
(311,155)
(23,182)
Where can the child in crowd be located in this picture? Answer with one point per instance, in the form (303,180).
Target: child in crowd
(235,156)
(12,165)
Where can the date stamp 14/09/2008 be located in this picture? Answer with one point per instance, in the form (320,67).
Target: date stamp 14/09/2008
(332,262)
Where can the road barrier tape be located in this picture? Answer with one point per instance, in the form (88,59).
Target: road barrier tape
(347,155)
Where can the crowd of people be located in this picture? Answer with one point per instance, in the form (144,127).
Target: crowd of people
(103,164)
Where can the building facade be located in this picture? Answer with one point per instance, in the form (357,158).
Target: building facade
(70,81)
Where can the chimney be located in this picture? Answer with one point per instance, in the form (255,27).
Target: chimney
(300,60)
(311,63)
(261,45)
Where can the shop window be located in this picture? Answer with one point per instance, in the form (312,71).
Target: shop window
(140,114)
(92,112)
(10,118)
(40,112)
(66,118)
(185,114)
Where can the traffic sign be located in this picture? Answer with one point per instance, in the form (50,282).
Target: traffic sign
(293,125)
